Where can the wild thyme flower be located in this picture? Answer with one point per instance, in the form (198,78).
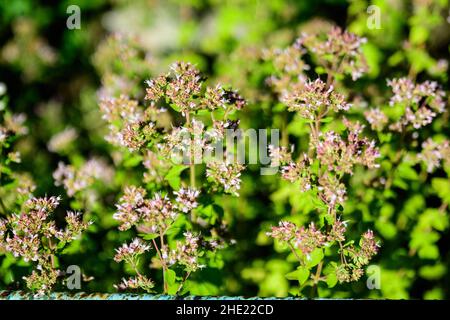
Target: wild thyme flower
(407,93)
(186,199)
(308,239)
(279,155)
(299,171)
(314,97)
(352,270)
(286,231)
(340,155)
(288,60)
(369,247)
(341,52)
(137,282)
(130,126)
(127,213)
(158,213)
(214,98)
(289,68)
(337,232)
(421,102)
(182,88)
(42,281)
(433,153)
(130,252)
(43,204)
(225,174)
(77,179)
(75,226)
(376,118)
(33,236)
(331,190)
(188,252)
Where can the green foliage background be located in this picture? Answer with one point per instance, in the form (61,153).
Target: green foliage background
(410,217)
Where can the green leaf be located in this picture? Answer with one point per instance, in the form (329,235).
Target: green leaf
(406,172)
(171,276)
(327,119)
(418,34)
(173,176)
(173,230)
(301,275)
(442,188)
(331,280)
(132,161)
(175,107)
(314,258)
(148,236)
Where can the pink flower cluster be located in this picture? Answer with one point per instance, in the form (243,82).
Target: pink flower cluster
(33,236)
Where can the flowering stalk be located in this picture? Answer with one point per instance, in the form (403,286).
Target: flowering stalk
(168,151)
(33,236)
(320,171)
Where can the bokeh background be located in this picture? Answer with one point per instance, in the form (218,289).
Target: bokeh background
(54,75)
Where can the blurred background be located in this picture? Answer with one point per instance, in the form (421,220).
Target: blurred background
(55,75)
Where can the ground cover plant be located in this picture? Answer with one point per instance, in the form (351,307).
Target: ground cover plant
(279,148)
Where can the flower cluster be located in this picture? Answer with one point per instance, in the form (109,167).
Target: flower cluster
(434,153)
(138,282)
(75,179)
(186,253)
(157,213)
(129,125)
(352,270)
(341,156)
(339,53)
(182,88)
(314,98)
(187,199)
(299,171)
(163,147)
(226,175)
(331,154)
(289,67)
(33,236)
(376,118)
(130,252)
(421,102)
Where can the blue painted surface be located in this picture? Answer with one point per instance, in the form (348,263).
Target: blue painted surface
(22,295)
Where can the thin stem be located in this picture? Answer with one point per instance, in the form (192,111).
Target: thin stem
(316,278)
(135,267)
(284,132)
(295,253)
(186,276)
(52,255)
(163,263)
(191,160)
(192,175)
(343,260)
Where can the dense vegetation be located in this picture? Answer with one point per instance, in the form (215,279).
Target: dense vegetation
(106,135)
